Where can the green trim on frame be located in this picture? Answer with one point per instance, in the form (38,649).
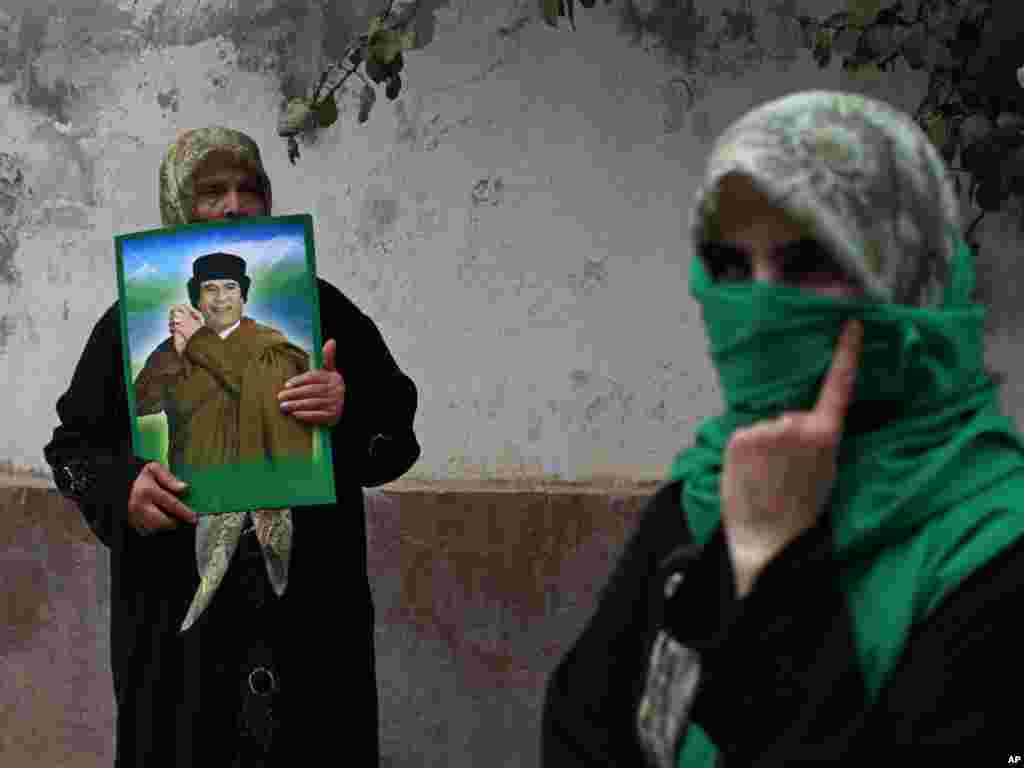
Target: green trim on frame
(270,484)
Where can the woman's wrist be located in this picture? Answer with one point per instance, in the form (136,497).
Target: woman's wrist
(750,553)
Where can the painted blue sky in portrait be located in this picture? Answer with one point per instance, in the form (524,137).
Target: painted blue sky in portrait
(165,258)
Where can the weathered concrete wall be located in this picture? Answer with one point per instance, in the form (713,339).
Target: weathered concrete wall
(515,222)
(477,593)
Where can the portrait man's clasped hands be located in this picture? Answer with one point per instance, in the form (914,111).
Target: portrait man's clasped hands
(314,397)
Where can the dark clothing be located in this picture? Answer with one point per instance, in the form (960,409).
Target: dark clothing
(178,694)
(780,683)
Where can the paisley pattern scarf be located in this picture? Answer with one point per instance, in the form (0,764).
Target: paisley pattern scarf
(217,535)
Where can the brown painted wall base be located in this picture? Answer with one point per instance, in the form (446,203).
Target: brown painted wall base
(478,591)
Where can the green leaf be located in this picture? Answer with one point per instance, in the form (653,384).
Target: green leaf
(549,10)
(863,12)
(295,119)
(866,73)
(376,24)
(386,44)
(327,111)
(936,128)
(823,47)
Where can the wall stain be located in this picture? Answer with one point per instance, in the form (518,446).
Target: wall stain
(595,275)
(377,218)
(9,28)
(458,583)
(677,102)
(678,24)
(182,22)
(7,327)
(488,191)
(597,407)
(33,334)
(533,433)
(69,217)
(70,174)
(169,99)
(701,127)
(12,183)
(595,270)
(8,245)
(384,212)
(407,130)
(579,378)
(658,412)
(51,101)
(25,608)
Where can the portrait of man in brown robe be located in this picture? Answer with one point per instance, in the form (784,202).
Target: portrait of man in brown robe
(217,376)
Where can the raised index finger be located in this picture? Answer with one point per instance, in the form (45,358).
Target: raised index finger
(837,391)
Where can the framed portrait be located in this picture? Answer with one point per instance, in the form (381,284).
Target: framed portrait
(215,319)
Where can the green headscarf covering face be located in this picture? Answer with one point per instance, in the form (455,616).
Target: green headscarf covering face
(929,494)
(186,155)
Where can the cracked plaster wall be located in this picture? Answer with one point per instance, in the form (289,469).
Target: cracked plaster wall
(515,223)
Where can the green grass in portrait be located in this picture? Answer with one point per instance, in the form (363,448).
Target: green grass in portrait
(152,429)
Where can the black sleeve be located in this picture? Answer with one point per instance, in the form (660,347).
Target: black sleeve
(591,698)
(946,689)
(90,453)
(783,661)
(374,441)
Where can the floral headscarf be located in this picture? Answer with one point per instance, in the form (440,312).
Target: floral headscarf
(186,154)
(860,174)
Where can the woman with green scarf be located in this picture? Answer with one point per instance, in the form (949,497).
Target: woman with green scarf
(225,641)
(835,564)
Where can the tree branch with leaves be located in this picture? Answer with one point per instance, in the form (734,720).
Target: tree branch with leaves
(961,113)
(375,57)
(971,112)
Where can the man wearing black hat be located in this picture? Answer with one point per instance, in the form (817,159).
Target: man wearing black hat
(214,362)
